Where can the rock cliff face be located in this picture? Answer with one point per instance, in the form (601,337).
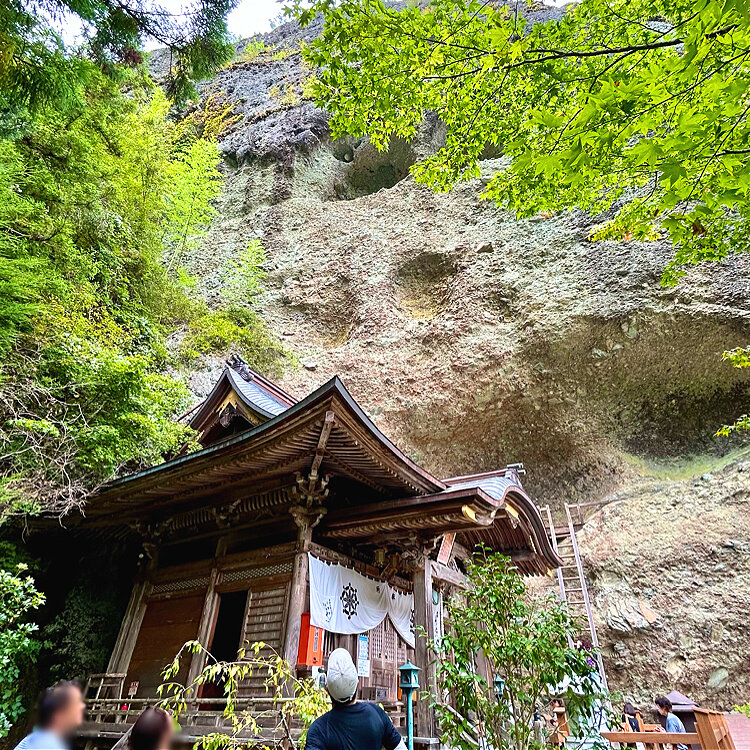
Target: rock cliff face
(668,565)
(476,340)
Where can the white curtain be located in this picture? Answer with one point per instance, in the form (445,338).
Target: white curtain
(344,601)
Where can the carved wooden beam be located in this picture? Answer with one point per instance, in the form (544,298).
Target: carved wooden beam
(152,535)
(444,574)
(307,518)
(353,473)
(310,491)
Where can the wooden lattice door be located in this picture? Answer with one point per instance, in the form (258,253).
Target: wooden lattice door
(383,658)
(264,622)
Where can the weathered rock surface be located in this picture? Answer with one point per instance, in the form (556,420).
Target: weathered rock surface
(476,340)
(669,565)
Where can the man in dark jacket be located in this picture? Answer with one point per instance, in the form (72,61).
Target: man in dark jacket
(350,724)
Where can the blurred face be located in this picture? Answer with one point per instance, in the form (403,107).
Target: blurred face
(662,711)
(166,740)
(71,716)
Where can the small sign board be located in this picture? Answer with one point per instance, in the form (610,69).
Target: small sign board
(133,689)
(446,547)
(363,655)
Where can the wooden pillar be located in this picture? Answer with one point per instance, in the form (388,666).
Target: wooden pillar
(205,628)
(423,657)
(122,653)
(297,595)
(309,493)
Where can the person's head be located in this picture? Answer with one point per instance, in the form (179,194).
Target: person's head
(629,708)
(152,730)
(342,678)
(663,705)
(61,708)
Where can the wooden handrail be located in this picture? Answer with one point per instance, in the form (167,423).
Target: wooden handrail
(215,701)
(651,738)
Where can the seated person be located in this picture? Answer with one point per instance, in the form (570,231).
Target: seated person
(673,724)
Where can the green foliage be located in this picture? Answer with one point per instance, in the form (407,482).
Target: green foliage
(18,597)
(288,96)
(98,205)
(282,53)
(83,633)
(634,106)
(738,357)
(98,410)
(194,183)
(36,70)
(524,642)
(89,199)
(244,278)
(309,84)
(217,115)
(233,327)
(253,50)
(293,701)
(234,324)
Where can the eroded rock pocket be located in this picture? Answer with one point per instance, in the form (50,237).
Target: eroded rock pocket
(369,170)
(423,283)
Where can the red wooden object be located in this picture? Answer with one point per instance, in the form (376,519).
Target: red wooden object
(310,643)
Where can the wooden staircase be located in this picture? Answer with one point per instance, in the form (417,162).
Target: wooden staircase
(571,580)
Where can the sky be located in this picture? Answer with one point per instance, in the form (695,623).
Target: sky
(248,18)
(252,16)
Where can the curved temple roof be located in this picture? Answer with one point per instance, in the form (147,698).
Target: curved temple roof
(494,511)
(329,430)
(262,398)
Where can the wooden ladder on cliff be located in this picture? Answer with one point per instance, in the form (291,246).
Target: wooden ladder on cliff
(571,580)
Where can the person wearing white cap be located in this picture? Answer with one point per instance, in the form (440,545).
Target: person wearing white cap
(350,724)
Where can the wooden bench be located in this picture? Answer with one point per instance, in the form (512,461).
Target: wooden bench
(711,733)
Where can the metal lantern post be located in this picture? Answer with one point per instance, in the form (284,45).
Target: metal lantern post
(498,685)
(409,683)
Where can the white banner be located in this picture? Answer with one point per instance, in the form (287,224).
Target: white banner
(344,601)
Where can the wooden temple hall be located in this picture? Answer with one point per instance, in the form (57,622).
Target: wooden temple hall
(298,524)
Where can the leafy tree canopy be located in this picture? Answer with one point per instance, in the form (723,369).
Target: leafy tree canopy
(37,69)
(638,107)
(98,204)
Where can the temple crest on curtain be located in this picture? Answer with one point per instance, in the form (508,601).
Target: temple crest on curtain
(345,601)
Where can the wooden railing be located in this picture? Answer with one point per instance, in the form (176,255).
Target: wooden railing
(711,733)
(113,716)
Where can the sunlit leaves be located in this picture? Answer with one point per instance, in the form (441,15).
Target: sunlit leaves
(634,108)
(615,99)
(90,200)
(524,642)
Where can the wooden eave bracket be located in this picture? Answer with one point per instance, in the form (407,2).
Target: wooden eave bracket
(325,433)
